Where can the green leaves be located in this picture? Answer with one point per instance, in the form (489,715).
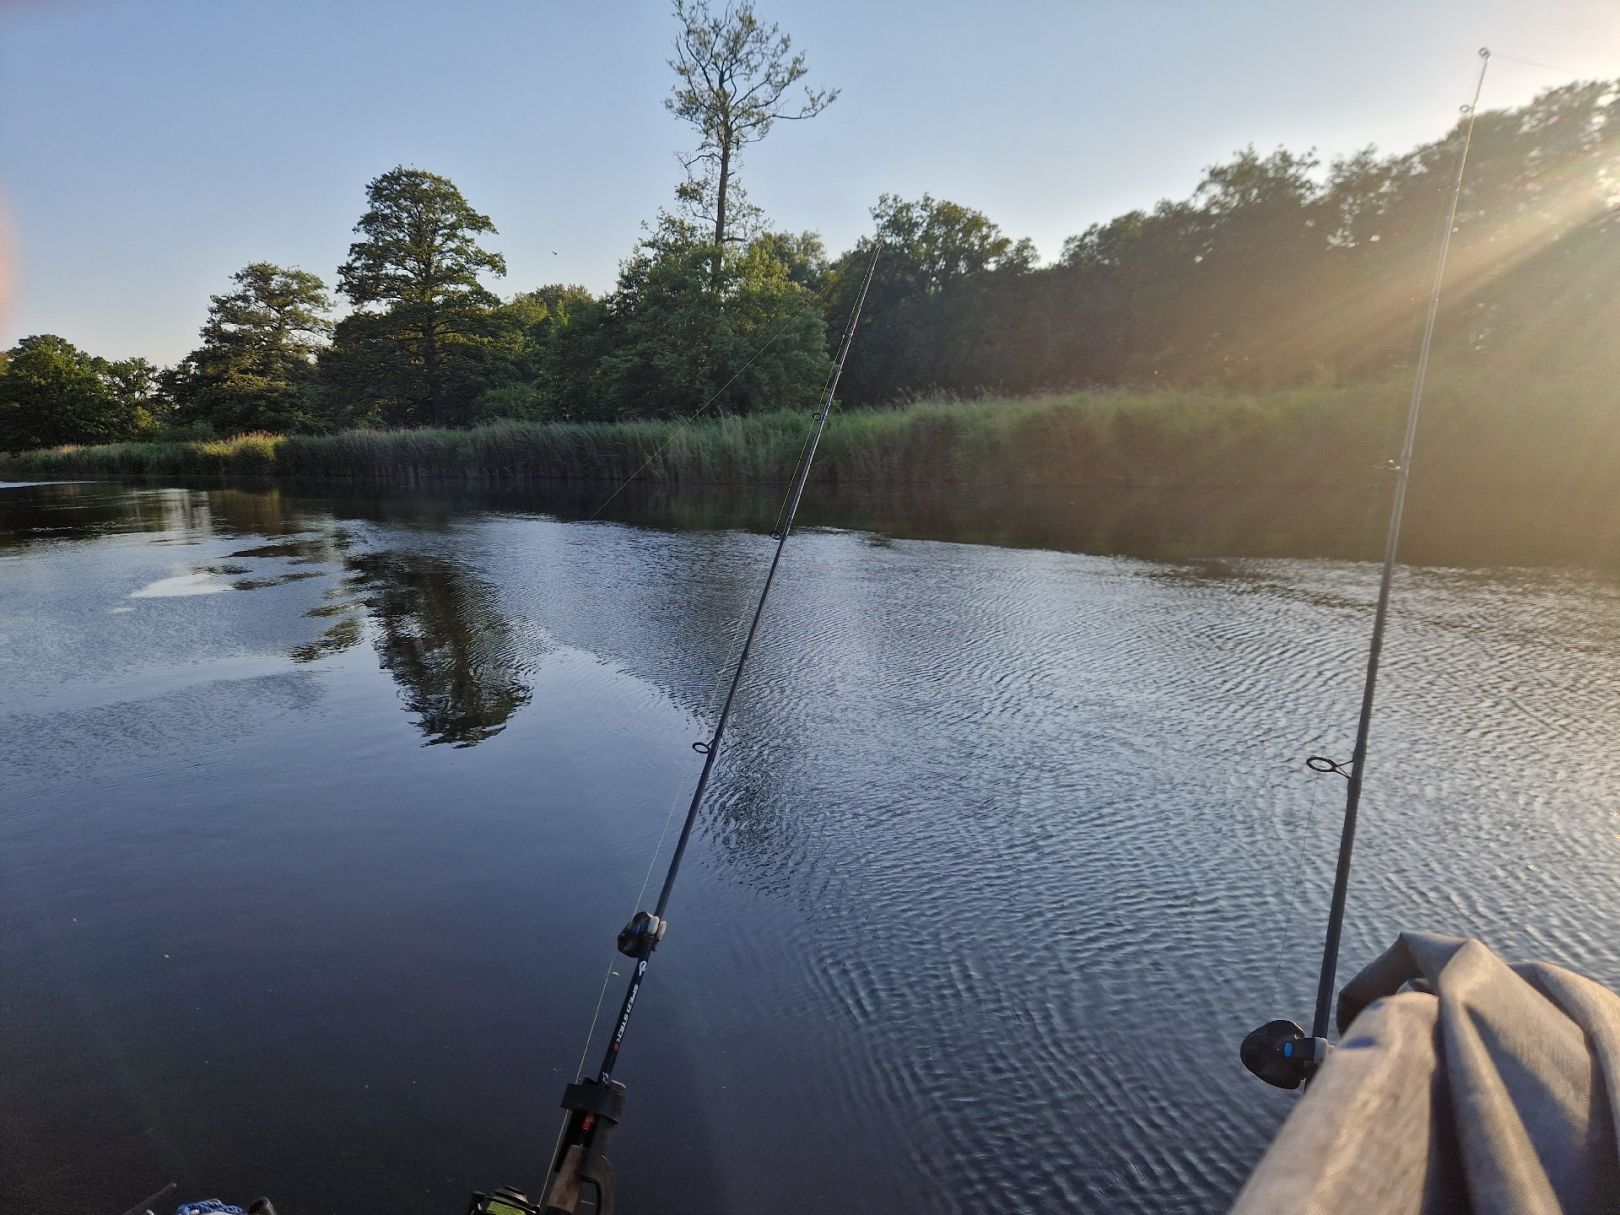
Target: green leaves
(414,278)
(255,369)
(732,78)
(271,326)
(52,393)
(419,246)
(748,338)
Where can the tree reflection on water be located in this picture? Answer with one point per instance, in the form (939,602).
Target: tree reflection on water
(439,632)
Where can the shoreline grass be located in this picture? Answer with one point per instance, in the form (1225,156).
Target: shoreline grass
(1047,439)
(1170,437)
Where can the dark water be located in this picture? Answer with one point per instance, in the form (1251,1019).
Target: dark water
(319,813)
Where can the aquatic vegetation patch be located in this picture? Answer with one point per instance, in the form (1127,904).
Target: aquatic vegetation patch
(1473,435)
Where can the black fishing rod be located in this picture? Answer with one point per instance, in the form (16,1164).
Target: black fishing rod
(595,1103)
(1279,1052)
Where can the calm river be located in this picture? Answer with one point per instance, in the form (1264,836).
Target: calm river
(319,813)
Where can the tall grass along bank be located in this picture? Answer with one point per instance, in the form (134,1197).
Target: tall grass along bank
(1184,439)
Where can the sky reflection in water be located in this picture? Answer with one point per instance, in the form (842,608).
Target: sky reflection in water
(1010,847)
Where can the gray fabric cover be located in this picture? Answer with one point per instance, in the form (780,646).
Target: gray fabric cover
(1462,1084)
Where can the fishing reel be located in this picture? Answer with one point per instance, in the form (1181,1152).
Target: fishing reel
(1281,1054)
(645,930)
(581,1164)
(504,1201)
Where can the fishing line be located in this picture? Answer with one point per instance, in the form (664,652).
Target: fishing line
(1551,67)
(595,1104)
(1313,816)
(1308,824)
(1358,759)
(816,297)
(607,977)
(710,750)
(716,685)
(646,878)
(809,437)
(716,682)
(1279,1052)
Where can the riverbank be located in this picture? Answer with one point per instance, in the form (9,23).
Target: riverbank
(1471,439)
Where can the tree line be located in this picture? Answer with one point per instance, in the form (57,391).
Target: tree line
(1277,270)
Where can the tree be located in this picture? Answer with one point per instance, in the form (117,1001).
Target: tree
(53,393)
(580,333)
(930,244)
(536,336)
(136,387)
(802,255)
(440,637)
(272,325)
(1260,230)
(926,314)
(751,340)
(733,76)
(413,280)
(255,369)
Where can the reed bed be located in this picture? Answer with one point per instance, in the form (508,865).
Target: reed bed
(1153,438)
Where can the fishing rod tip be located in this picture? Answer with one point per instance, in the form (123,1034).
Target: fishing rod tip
(1484,52)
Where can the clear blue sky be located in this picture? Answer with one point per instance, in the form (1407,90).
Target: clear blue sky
(149,148)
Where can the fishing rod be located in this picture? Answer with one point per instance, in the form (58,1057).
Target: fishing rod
(1279,1052)
(596,1103)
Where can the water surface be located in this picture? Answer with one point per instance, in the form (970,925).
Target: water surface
(320,810)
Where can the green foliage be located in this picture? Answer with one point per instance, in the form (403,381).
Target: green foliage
(1277,272)
(1556,447)
(802,256)
(552,343)
(417,347)
(1274,272)
(743,338)
(732,77)
(255,369)
(271,326)
(518,402)
(51,393)
(942,275)
(420,245)
(932,244)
